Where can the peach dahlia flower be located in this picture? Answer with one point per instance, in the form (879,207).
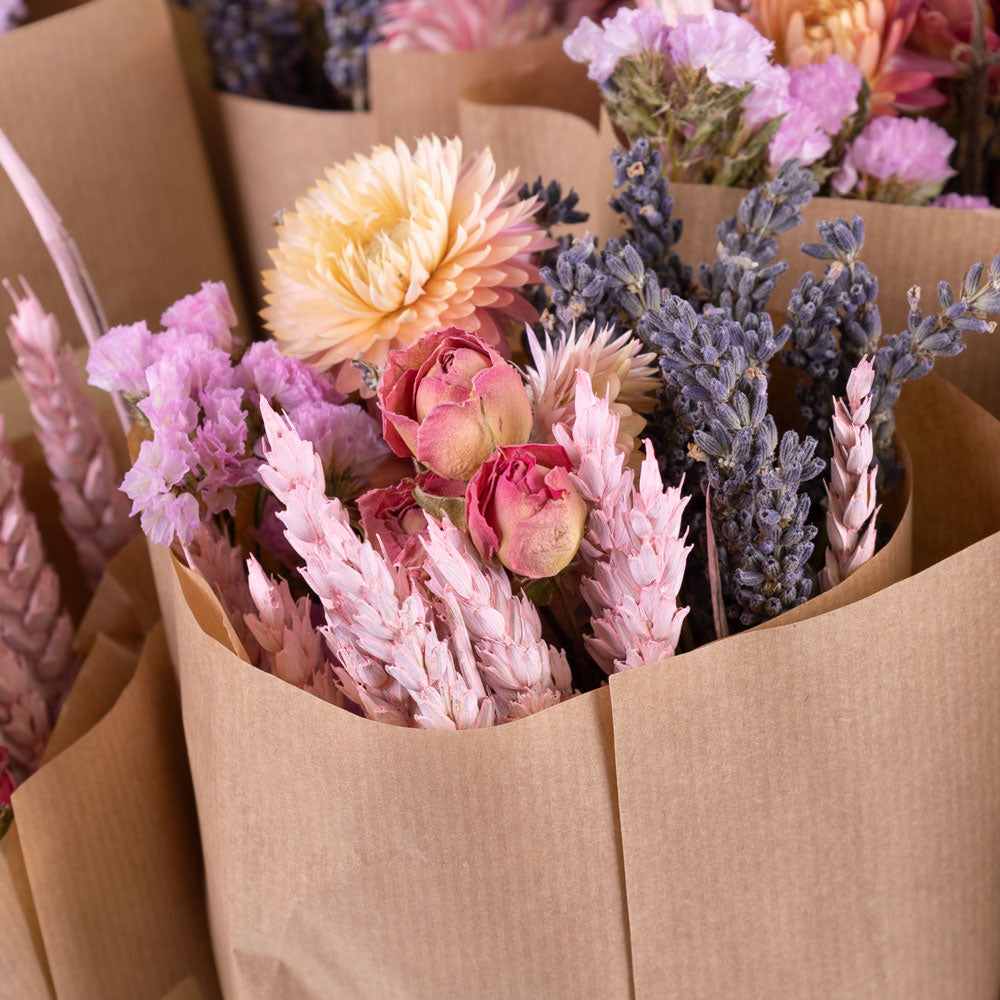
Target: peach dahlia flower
(868,33)
(397,244)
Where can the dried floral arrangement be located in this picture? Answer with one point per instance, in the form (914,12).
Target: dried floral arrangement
(415,505)
(877,100)
(316,52)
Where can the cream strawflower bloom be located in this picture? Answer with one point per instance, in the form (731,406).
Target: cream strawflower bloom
(394,245)
(618,366)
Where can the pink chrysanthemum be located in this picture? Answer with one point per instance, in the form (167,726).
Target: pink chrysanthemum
(394,245)
(462,25)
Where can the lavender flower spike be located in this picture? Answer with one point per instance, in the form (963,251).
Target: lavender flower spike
(383,635)
(633,543)
(850,519)
(31,623)
(76,447)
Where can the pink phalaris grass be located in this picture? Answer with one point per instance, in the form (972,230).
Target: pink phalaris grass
(382,632)
(522,670)
(32,623)
(24,715)
(76,447)
(851,516)
(632,542)
(284,632)
(461,25)
(220,563)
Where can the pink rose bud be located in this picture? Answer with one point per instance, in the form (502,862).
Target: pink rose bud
(522,509)
(449,400)
(393,517)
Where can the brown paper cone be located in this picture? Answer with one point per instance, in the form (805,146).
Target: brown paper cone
(825,789)
(95,102)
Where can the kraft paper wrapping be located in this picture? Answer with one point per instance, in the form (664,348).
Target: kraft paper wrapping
(95,102)
(571,141)
(352,859)
(100,877)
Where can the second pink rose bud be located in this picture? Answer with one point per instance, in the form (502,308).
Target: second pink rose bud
(449,400)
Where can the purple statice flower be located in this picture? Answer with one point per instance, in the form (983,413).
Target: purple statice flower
(828,89)
(283,381)
(769,97)
(624,36)
(162,465)
(119,360)
(966,201)
(912,152)
(730,50)
(208,312)
(12,13)
(799,137)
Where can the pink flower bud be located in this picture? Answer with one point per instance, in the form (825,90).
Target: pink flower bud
(393,518)
(6,781)
(448,400)
(523,509)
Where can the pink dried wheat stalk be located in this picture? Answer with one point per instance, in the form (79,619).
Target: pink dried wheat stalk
(632,542)
(24,716)
(523,671)
(76,447)
(283,628)
(31,622)
(221,565)
(851,489)
(381,631)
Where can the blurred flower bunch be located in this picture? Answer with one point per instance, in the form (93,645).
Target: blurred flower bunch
(940,57)
(413,505)
(315,52)
(12,13)
(729,98)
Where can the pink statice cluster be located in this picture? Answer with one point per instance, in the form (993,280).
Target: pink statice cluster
(896,159)
(12,13)
(197,391)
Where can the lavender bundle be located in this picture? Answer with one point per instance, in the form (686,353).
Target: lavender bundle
(835,321)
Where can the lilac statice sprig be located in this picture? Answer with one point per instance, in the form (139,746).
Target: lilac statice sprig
(743,276)
(759,510)
(643,201)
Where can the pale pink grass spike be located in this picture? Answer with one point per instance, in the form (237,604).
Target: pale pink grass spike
(64,253)
(221,565)
(381,631)
(283,628)
(851,516)
(76,447)
(632,542)
(24,716)
(524,673)
(461,25)
(32,623)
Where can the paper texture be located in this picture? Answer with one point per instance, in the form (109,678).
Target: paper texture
(831,728)
(95,102)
